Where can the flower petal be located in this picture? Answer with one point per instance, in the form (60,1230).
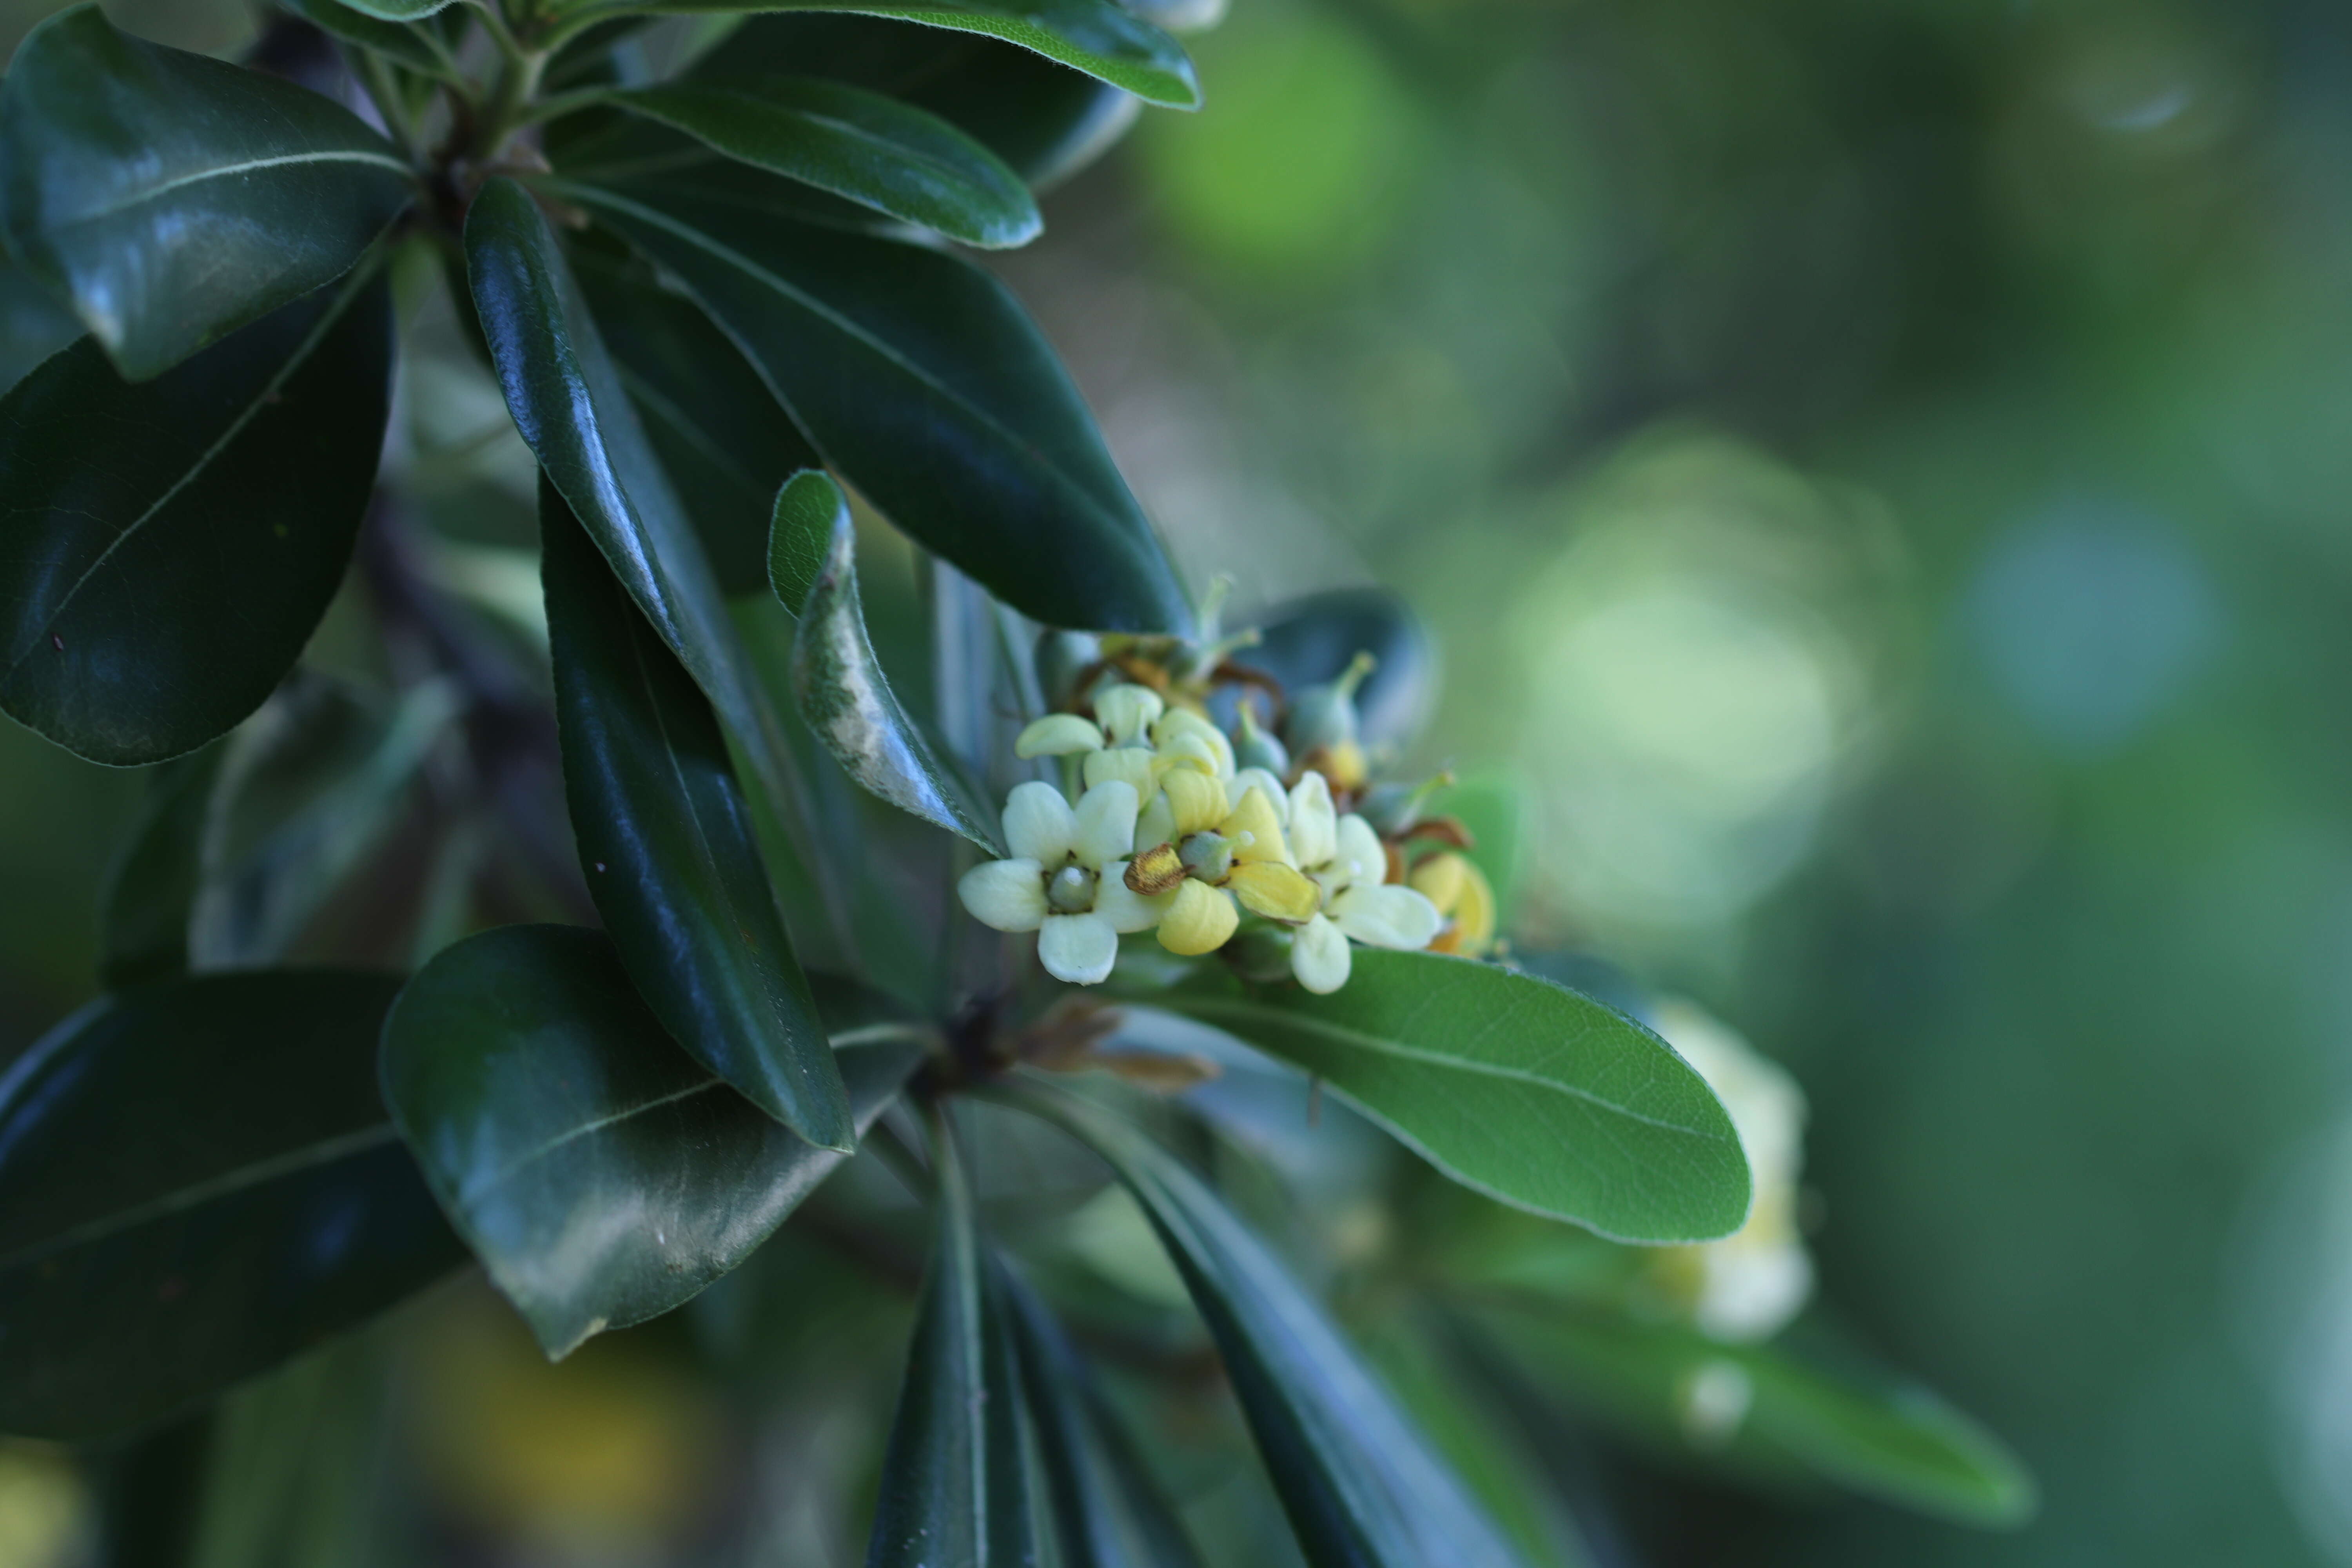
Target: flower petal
(1079,949)
(1196,801)
(1133,763)
(1128,713)
(1009,895)
(1463,896)
(1127,909)
(1157,825)
(1106,819)
(1277,891)
(1386,916)
(1039,825)
(1190,751)
(1058,735)
(1314,825)
(1254,817)
(1248,779)
(1184,722)
(1318,956)
(1200,919)
(1360,852)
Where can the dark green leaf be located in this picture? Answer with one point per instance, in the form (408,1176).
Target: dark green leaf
(722,435)
(839,683)
(418,48)
(1363,1489)
(856,144)
(1095,37)
(33,325)
(1044,119)
(1760,1409)
(196,1181)
(568,401)
(152,890)
(1107,1512)
(808,509)
(400,10)
(174,198)
(1306,642)
(955,1482)
(602,1174)
(666,844)
(153,591)
(313,785)
(1514,1086)
(925,387)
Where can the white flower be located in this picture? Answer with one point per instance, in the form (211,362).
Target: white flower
(1062,879)
(1347,860)
(1751,1283)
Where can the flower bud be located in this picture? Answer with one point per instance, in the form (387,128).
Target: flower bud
(1323,718)
(1253,748)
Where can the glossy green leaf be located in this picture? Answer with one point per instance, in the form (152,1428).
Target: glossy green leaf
(419,48)
(309,789)
(1095,37)
(666,844)
(1362,1488)
(153,591)
(1762,1409)
(1108,1511)
(955,1482)
(1042,118)
(839,683)
(722,437)
(151,891)
(808,511)
(174,198)
(33,325)
(1511,1085)
(568,401)
(602,1174)
(859,145)
(928,388)
(196,1181)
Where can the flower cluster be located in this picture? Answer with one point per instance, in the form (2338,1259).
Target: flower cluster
(1167,823)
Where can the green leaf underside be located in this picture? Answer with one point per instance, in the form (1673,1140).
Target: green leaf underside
(1095,37)
(721,436)
(1363,1489)
(800,535)
(666,846)
(152,889)
(1894,1441)
(926,387)
(1521,1089)
(415,48)
(1108,1511)
(167,546)
(567,399)
(196,1181)
(955,1483)
(174,198)
(602,1174)
(843,692)
(855,144)
(1042,118)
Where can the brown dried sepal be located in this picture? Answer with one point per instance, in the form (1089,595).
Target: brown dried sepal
(1155,871)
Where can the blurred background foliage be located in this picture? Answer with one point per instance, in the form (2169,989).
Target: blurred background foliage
(1878,471)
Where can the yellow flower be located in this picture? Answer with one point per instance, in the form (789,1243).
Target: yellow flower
(1453,883)
(1230,859)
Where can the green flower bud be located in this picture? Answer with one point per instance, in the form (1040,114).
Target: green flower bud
(1208,855)
(1253,748)
(1323,718)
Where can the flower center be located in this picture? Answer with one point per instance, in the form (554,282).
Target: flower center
(1208,855)
(1071,890)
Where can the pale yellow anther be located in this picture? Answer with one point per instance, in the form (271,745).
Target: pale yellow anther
(1257,829)
(1196,801)
(1058,735)
(1277,891)
(1200,921)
